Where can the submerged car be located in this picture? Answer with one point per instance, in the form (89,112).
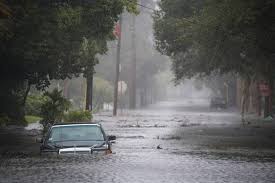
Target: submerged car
(218,102)
(76,138)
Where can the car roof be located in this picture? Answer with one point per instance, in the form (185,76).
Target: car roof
(75,124)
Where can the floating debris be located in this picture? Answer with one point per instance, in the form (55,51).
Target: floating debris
(158,147)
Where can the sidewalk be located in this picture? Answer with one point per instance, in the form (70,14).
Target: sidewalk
(255,120)
(256,134)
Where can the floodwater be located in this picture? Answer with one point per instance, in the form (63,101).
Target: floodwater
(168,142)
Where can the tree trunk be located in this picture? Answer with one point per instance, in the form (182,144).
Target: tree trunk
(266,106)
(259,105)
(26,93)
(271,83)
(89,93)
(245,96)
(268,99)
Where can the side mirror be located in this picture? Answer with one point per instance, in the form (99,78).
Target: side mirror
(111,138)
(39,140)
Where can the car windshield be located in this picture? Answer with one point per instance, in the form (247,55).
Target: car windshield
(75,133)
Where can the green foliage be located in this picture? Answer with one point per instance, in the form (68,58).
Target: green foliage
(4,120)
(43,40)
(78,116)
(53,108)
(32,119)
(33,105)
(217,36)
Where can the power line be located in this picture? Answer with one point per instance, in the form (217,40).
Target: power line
(149,8)
(141,5)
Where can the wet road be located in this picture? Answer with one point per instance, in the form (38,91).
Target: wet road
(195,145)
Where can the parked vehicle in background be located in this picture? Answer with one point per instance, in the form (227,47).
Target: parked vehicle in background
(84,138)
(218,102)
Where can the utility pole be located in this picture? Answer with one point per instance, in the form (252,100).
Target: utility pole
(117,68)
(132,88)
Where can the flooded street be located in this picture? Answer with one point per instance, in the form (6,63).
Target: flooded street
(137,91)
(169,142)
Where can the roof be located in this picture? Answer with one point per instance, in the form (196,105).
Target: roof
(76,124)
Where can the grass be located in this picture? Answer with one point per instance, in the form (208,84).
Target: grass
(32,119)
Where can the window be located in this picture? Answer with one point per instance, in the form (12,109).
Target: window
(76,133)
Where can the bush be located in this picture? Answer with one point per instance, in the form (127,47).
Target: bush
(4,120)
(34,104)
(53,108)
(32,119)
(78,116)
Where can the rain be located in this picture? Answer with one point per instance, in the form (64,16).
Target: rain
(176,91)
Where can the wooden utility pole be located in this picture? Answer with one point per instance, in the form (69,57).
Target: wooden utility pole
(132,83)
(117,69)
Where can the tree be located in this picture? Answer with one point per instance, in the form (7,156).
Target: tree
(218,36)
(43,40)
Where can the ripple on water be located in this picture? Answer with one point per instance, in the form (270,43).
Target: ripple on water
(136,166)
(137,159)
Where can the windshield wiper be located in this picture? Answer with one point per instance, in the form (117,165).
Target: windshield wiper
(57,146)
(54,145)
(98,145)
